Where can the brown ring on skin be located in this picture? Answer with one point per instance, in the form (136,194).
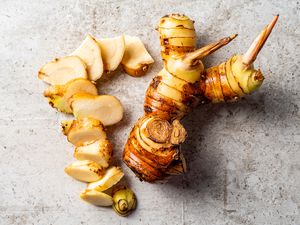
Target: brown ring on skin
(227,91)
(228,72)
(186,97)
(217,85)
(188,100)
(137,166)
(148,172)
(151,110)
(149,157)
(163,157)
(235,78)
(210,80)
(159,104)
(164,111)
(209,93)
(155,95)
(147,164)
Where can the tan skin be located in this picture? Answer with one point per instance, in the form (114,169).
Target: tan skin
(213,85)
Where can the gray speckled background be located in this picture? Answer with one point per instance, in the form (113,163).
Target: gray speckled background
(244,162)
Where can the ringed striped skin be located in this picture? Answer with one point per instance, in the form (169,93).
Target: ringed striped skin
(177,35)
(179,87)
(227,83)
(170,96)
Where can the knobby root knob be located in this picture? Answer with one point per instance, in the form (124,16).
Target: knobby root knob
(159,130)
(124,201)
(178,134)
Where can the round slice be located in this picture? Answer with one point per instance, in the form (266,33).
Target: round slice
(106,108)
(86,171)
(62,70)
(59,95)
(83,131)
(112,51)
(90,52)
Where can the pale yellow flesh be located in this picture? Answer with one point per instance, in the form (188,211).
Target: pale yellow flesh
(99,152)
(83,131)
(82,136)
(106,108)
(96,198)
(112,176)
(90,52)
(136,55)
(62,70)
(112,51)
(59,95)
(86,171)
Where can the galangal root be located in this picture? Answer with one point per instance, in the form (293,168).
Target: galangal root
(152,151)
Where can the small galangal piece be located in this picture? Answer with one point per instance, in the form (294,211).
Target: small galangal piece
(136,59)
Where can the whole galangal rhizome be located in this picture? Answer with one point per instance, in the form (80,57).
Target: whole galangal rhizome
(152,151)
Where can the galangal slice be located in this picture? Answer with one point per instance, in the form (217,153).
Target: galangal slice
(112,51)
(136,59)
(90,52)
(83,131)
(96,198)
(106,108)
(59,95)
(112,176)
(62,70)
(86,171)
(100,152)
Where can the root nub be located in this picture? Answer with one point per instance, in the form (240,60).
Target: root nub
(159,130)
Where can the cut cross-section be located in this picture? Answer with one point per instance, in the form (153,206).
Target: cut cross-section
(90,52)
(136,58)
(59,95)
(112,50)
(62,70)
(83,131)
(106,108)
(112,176)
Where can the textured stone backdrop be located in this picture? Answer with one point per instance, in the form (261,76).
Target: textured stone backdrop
(243,158)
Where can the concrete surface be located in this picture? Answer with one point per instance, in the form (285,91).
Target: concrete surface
(243,158)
